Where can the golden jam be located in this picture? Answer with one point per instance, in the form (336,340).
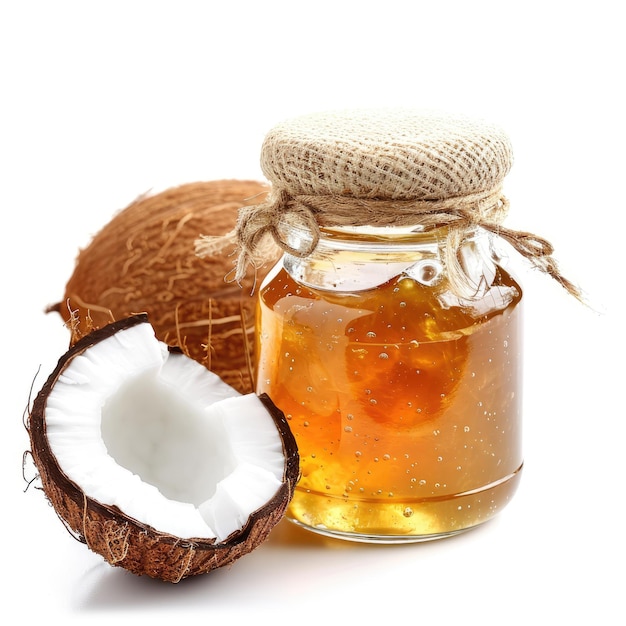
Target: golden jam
(406,411)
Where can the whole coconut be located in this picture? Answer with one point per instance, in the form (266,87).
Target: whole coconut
(144,261)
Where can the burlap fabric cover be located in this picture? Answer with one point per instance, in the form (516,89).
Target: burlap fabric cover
(386,154)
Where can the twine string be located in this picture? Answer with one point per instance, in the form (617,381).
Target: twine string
(262,227)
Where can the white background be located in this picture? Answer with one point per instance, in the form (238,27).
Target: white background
(101,102)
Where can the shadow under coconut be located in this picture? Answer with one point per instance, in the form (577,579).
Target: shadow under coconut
(106,588)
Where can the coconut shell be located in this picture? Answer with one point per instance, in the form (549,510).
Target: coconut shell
(126,542)
(144,260)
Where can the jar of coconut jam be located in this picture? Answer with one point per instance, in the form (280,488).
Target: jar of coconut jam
(389,333)
(404,399)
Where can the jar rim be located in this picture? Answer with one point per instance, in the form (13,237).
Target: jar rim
(374,238)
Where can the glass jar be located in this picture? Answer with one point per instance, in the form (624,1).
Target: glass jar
(403,397)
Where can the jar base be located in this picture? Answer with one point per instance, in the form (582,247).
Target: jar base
(378,539)
(415,521)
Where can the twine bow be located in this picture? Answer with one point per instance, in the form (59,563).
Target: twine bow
(262,227)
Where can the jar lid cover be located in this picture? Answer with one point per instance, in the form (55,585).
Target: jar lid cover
(394,154)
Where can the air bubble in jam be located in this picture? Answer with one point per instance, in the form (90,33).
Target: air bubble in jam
(427,272)
(426,388)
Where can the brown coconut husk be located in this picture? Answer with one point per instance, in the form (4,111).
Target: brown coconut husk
(144,260)
(126,542)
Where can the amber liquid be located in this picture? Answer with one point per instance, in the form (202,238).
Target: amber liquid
(406,414)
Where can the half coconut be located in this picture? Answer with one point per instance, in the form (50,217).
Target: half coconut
(153,461)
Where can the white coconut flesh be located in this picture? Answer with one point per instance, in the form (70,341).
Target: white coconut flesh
(157,435)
